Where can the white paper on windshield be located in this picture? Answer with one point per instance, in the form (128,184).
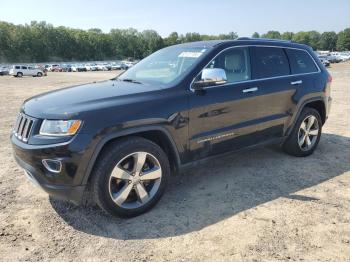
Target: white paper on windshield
(191,54)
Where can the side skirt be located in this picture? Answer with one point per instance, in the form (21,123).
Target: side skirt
(275,141)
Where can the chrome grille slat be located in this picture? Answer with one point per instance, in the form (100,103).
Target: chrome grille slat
(23,127)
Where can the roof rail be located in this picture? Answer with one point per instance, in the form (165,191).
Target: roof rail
(264,39)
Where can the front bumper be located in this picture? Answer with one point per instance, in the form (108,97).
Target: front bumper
(67,184)
(73,194)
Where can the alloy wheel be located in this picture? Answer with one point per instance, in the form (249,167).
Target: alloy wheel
(308,133)
(135,180)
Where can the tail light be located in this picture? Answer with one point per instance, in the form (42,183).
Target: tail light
(330,79)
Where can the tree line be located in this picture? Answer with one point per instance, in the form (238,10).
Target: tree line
(42,42)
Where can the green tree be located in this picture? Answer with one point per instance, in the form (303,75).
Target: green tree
(314,37)
(302,37)
(328,41)
(172,39)
(152,41)
(272,35)
(343,42)
(287,36)
(256,35)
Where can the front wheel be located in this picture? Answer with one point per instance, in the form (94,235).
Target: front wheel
(39,74)
(306,134)
(130,177)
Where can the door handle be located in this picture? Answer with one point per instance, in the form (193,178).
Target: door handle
(296,82)
(250,90)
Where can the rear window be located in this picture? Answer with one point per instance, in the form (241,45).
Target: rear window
(24,67)
(17,67)
(301,62)
(270,62)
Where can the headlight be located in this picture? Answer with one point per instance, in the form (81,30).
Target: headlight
(59,127)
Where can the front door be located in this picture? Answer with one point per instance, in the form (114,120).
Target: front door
(222,118)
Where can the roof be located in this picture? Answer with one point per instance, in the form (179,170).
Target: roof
(245,40)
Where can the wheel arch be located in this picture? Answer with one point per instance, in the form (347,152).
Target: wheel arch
(156,134)
(316,103)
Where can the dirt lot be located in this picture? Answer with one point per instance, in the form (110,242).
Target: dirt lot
(261,205)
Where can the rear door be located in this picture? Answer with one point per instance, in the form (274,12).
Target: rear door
(304,69)
(272,73)
(24,70)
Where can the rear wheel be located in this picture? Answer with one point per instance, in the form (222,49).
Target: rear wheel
(130,177)
(19,74)
(306,134)
(39,74)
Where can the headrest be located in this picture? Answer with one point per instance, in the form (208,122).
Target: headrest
(234,62)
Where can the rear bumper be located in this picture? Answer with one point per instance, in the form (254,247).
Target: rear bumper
(73,194)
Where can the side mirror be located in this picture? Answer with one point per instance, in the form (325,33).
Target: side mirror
(210,77)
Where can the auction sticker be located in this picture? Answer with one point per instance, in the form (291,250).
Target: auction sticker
(191,54)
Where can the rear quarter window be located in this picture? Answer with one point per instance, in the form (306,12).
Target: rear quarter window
(269,62)
(301,62)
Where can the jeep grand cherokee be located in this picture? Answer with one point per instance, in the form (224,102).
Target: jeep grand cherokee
(118,141)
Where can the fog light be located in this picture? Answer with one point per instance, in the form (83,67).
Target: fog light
(54,166)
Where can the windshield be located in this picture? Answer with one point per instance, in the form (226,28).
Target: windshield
(165,65)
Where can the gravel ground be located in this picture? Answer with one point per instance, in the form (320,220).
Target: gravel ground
(261,205)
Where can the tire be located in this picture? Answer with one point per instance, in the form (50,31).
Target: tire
(120,191)
(39,74)
(19,74)
(304,138)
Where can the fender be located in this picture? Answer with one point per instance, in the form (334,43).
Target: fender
(300,108)
(126,132)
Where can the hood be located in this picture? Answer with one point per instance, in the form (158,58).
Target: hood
(72,101)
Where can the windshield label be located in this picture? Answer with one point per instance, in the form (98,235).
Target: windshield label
(191,54)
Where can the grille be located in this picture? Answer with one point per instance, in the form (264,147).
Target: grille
(23,127)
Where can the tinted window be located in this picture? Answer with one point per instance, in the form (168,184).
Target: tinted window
(17,67)
(270,62)
(235,62)
(301,62)
(24,67)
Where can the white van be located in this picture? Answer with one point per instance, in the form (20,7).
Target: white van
(20,71)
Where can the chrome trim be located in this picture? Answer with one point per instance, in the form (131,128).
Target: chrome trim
(249,90)
(296,82)
(23,127)
(31,178)
(46,165)
(260,79)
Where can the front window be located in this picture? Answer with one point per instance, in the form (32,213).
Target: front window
(236,63)
(165,66)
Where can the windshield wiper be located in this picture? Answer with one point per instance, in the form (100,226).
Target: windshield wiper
(130,80)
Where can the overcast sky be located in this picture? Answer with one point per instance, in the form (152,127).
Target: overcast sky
(202,16)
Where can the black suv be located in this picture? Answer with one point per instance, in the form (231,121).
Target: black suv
(118,141)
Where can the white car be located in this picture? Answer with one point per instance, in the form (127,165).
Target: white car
(101,67)
(345,56)
(20,70)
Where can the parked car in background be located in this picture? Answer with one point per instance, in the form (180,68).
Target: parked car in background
(345,56)
(21,70)
(324,60)
(127,64)
(101,67)
(53,68)
(108,66)
(334,58)
(116,66)
(4,71)
(81,68)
